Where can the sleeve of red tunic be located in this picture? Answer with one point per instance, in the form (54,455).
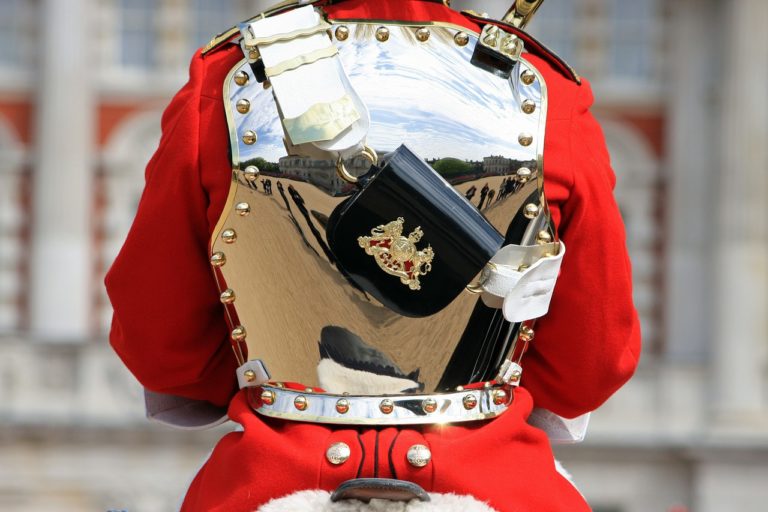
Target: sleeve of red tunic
(168,325)
(588,345)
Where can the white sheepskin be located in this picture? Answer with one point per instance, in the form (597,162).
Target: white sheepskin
(320,501)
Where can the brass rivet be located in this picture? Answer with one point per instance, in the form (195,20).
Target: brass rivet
(525,139)
(268,397)
(253,55)
(510,45)
(300,402)
(387,406)
(543,237)
(251,173)
(227,296)
(429,405)
(382,34)
(529,106)
(218,259)
(250,137)
(469,402)
(229,235)
(238,333)
(243,209)
(459,388)
(528,77)
(526,333)
(309,390)
(338,453)
(523,174)
(342,33)
(422,34)
(487,385)
(418,455)
(279,385)
(249,375)
(499,396)
(241,78)
(531,211)
(515,377)
(461,38)
(243,106)
(342,406)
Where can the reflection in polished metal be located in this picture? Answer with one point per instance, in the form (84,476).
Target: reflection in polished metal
(387,406)
(218,259)
(251,173)
(469,401)
(338,453)
(243,208)
(342,406)
(525,139)
(243,106)
(300,402)
(458,117)
(528,77)
(529,107)
(238,333)
(342,32)
(249,137)
(429,405)
(267,396)
(422,34)
(418,455)
(229,236)
(531,211)
(398,255)
(543,237)
(382,34)
(241,78)
(461,38)
(227,296)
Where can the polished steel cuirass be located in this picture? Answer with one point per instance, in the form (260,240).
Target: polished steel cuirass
(285,298)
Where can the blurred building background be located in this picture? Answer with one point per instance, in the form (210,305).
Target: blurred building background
(682,93)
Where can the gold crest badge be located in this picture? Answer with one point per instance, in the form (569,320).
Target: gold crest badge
(398,255)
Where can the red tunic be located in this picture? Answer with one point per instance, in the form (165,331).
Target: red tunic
(169,325)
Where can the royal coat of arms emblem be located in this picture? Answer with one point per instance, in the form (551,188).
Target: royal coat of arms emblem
(398,255)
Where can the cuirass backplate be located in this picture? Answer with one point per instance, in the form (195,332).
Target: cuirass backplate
(482,132)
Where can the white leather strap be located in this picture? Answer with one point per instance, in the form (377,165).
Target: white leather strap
(560,430)
(307,77)
(252,373)
(519,280)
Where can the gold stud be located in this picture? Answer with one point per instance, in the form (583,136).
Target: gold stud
(338,453)
(510,45)
(243,106)
(469,402)
(523,174)
(526,333)
(229,235)
(382,34)
(529,106)
(525,139)
(342,33)
(531,211)
(487,385)
(227,296)
(279,385)
(459,388)
(418,455)
(253,55)
(250,137)
(422,34)
(528,77)
(342,406)
(429,405)
(238,333)
(461,38)
(515,377)
(268,397)
(241,78)
(300,402)
(218,259)
(309,390)
(543,237)
(243,209)
(491,36)
(387,406)
(251,173)
(499,396)
(249,375)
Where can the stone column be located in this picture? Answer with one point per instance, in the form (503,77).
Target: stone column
(741,264)
(61,231)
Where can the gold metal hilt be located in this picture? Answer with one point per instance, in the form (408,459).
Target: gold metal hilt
(521,12)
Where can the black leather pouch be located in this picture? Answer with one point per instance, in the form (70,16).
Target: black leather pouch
(408,238)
